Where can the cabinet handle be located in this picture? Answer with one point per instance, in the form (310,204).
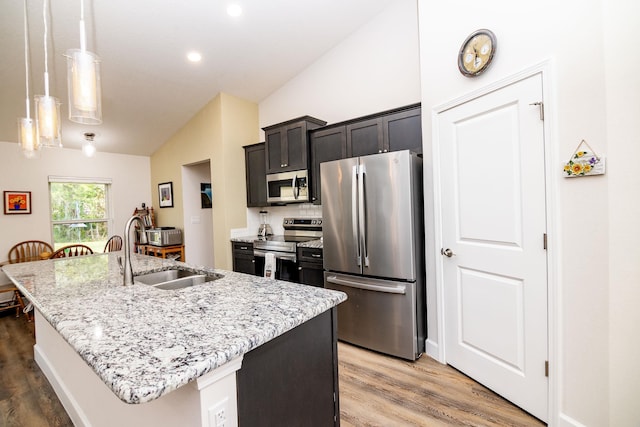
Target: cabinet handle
(379,151)
(244,248)
(316,255)
(300,268)
(253,261)
(385,150)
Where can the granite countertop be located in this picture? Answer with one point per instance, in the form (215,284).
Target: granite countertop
(144,342)
(245,239)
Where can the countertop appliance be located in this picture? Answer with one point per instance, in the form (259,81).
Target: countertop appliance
(288,187)
(373,240)
(167,236)
(265,228)
(296,230)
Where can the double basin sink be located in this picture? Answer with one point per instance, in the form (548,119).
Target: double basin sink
(178,278)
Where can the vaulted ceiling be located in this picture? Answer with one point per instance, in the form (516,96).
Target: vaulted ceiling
(149,87)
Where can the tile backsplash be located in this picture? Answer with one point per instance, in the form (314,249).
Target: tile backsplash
(275,216)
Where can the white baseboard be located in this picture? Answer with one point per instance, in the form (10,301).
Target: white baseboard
(566,421)
(432,350)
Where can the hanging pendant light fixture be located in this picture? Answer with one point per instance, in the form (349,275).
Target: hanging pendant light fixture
(83,79)
(47,107)
(27,129)
(89,148)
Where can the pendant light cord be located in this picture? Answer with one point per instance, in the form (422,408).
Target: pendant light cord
(26,58)
(83,36)
(46,56)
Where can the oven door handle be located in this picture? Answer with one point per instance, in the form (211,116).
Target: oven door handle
(279,255)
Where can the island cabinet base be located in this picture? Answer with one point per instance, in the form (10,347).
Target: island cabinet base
(292,380)
(89,402)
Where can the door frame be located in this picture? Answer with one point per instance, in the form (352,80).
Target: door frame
(436,348)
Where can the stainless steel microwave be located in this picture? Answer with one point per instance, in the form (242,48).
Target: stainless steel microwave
(288,187)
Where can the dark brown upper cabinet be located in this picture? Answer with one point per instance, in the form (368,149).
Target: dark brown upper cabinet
(394,130)
(325,144)
(287,144)
(256,175)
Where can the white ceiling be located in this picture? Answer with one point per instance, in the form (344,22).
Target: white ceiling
(149,89)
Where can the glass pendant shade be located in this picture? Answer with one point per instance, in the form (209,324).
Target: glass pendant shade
(48,119)
(83,79)
(28,137)
(88,149)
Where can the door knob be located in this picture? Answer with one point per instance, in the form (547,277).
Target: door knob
(447,252)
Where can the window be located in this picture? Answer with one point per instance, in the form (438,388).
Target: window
(80,211)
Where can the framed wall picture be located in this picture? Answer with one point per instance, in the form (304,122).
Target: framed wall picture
(17,202)
(165,194)
(205,195)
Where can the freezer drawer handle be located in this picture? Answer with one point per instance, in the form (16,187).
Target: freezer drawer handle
(397,289)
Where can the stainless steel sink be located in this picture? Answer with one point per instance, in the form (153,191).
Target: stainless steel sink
(174,279)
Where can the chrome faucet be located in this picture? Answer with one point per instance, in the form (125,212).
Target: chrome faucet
(128,271)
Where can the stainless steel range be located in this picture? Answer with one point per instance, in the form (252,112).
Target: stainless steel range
(283,247)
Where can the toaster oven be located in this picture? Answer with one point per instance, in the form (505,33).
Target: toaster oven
(164,237)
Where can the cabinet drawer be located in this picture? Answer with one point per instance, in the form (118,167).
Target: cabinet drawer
(242,248)
(313,255)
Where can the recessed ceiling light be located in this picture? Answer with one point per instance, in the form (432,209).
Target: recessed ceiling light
(234,10)
(194,56)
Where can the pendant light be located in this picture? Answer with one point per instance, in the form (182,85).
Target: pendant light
(47,107)
(89,148)
(83,80)
(27,129)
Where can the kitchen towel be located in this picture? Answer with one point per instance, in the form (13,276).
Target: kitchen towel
(269,265)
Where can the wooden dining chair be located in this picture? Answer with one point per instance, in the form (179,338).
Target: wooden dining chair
(29,250)
(72,250)
(10,298)
(113,244)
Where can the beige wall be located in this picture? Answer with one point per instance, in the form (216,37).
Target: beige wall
(216,133)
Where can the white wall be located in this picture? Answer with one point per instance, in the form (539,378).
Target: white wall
(375,69)
(571,35)
(623,127)
(129,174)
(198,222)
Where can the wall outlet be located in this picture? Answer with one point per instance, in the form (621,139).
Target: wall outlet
(218,414)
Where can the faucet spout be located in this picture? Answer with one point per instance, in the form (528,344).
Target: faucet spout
(128,270)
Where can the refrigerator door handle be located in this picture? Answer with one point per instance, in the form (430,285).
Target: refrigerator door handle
(393,289)
(362,211)
(354,213)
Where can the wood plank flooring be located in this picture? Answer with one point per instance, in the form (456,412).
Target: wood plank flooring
(375,390)
(379,390)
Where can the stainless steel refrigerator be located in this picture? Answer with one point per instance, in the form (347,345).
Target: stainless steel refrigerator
(373,240)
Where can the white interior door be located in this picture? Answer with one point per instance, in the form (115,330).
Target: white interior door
(493,231)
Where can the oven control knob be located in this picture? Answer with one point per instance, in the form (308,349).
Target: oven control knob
(313,222)
(319,222)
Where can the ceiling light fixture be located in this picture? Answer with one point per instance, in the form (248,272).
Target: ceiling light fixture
(89,148)
(83,80)
(234,10)
(27,134)
(47,107)
(194,56)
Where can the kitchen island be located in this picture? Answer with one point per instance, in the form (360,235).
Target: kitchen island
(203,355)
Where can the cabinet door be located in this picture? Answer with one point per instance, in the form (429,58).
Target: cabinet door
(403,130)
(295,154)
(244,264)
(256,175)
(274,144)
(325,145)
(311,274)
(365,137)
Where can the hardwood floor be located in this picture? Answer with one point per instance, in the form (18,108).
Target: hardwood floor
(378,390)
(375,390)
(26,398)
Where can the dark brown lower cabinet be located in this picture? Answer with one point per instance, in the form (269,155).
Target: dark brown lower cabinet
(310,269)
(292,380)
(243,260)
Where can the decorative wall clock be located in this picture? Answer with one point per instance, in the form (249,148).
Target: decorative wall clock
(477,52)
